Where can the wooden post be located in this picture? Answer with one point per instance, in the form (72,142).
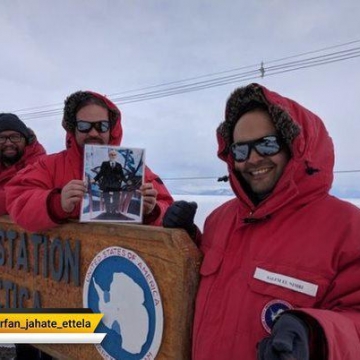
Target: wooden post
(49,269)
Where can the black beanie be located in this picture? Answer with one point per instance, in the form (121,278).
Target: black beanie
(12,122)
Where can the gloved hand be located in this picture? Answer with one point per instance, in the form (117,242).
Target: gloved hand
(180,214)
(289,340)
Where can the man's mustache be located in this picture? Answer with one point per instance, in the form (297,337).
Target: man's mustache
(93,139)
(12,147)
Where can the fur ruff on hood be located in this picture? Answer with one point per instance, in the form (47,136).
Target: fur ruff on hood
(247,98)
(71,107)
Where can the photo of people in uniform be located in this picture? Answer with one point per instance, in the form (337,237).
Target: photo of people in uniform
(113,176)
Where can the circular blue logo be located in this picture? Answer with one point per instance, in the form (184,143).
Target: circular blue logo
(271,311)
(119,285)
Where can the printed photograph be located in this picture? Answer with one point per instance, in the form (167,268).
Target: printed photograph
(113,176)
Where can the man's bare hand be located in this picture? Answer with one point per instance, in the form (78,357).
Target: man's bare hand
(71,194)
(149,197)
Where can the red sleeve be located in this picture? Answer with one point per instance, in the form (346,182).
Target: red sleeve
(339,316)
(163,200)
(2,202)
(54,207)
(26,198)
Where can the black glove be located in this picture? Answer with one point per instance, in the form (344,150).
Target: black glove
(289,340)
(180,214)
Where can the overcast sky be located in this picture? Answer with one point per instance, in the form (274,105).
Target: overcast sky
(50,49)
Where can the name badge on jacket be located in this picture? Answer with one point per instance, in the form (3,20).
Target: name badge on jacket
(286,282)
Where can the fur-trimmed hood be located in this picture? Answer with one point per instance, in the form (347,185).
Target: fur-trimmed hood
(69,119)
(245,98)
(71,107)
(310,169)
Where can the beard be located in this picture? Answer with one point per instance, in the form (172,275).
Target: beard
(10,159)
(255,196)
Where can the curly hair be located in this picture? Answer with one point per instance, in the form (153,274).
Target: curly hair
(251,97)
(78,100)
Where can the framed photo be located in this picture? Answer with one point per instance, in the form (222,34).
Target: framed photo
(113,176)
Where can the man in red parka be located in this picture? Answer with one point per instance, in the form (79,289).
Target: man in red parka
(18,148)
(280,278)
(49,192)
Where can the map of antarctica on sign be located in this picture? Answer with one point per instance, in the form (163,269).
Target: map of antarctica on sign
(115,312)
(119,285)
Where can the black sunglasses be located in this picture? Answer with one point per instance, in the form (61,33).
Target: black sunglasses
(265,146)
(86,126)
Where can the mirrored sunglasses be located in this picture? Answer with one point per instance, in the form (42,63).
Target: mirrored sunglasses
(86,126)
(266,146)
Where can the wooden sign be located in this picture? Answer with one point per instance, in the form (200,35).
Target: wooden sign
(56,269)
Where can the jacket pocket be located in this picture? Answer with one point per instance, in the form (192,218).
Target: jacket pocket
(211,262)
(299,287)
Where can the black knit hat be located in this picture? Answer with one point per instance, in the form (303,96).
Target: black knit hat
(10,121)
(250,97)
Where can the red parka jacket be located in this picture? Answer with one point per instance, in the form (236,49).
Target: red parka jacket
(28,192)
(299,248)
(32,152)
